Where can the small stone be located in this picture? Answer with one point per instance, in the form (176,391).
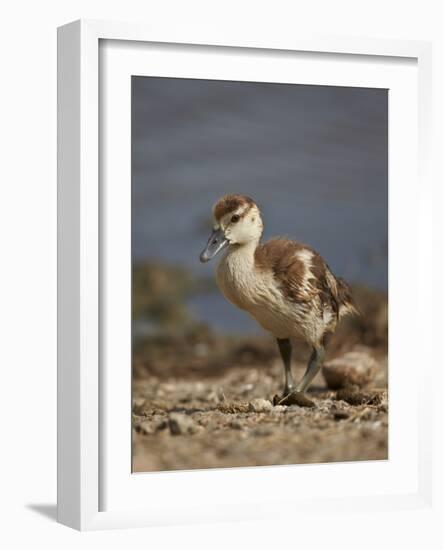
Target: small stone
(235,425)
(180,424)
(341,415)
(151,427)
(138,405)
(260,406)
(147,428)
(213,397)
(356,367)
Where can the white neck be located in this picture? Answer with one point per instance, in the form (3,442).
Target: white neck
(238,260)
(236,276)
(246,250)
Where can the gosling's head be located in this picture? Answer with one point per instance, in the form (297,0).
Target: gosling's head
(237,221)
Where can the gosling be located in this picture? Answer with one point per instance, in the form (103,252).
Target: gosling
(284,285)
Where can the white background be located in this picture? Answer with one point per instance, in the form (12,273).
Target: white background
(28,275)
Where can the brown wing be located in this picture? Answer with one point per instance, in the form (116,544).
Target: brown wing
(304,276)
(291,265)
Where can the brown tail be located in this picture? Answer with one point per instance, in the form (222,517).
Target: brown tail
(346,303)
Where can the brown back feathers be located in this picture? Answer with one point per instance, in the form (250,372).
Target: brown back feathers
(303,276)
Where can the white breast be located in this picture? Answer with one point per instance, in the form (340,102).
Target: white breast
(255,292)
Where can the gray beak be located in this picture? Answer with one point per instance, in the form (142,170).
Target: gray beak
(216,243)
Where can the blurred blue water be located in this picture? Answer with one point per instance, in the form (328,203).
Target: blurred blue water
(313,157)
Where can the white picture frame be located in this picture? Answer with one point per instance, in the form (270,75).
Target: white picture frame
(81,413)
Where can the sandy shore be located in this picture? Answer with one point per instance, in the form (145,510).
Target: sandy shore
(228,420)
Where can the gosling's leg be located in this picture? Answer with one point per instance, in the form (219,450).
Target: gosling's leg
(314,365)
(284,345)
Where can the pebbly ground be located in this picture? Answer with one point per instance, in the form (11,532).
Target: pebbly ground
(189,418)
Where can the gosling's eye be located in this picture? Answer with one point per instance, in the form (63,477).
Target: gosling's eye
(235,218)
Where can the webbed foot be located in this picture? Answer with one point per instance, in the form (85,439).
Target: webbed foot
(294,398)
(286,392)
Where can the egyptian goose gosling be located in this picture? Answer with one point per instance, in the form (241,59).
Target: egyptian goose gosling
(284,285)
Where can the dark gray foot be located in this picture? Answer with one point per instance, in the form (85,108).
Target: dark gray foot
(294,398)
(287,391)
